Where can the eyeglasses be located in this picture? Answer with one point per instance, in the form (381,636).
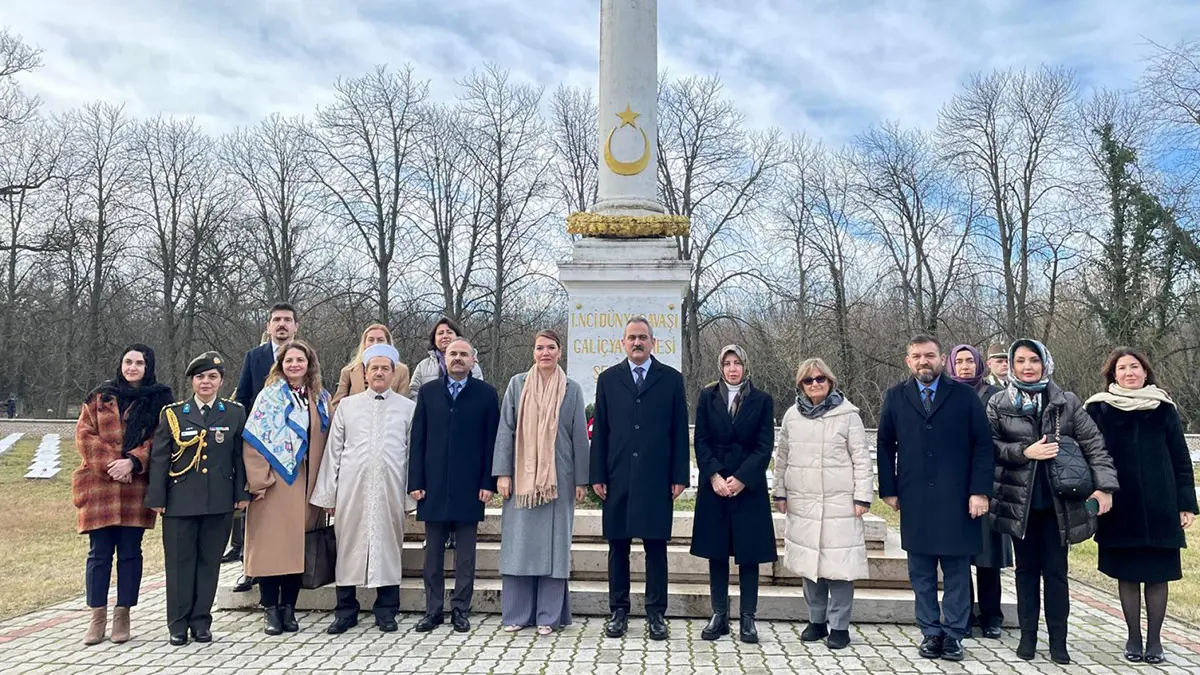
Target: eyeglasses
(820,379)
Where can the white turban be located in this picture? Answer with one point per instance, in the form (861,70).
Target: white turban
(381,349)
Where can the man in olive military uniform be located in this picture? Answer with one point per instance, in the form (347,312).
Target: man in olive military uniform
(197,480)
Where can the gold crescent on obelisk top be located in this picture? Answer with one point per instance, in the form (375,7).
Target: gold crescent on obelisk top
(627,168)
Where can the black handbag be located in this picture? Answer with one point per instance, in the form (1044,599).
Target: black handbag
(1070,475)
(320,555)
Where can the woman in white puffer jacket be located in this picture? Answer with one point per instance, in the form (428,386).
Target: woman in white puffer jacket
(824,482)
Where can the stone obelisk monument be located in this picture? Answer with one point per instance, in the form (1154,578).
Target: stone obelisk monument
(627,262)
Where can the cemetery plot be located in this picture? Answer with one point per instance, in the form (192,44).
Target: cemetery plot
(45,459)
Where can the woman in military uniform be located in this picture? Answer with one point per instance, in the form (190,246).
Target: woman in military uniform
(197,480)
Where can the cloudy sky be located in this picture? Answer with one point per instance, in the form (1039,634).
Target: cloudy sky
(829,67)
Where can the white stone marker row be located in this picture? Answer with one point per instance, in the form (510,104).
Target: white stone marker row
(9,441)
(45,459)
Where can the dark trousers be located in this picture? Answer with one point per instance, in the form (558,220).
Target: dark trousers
(387,602)
(237,538)
(987,592)
(1041,556)
(192,548)
(656,574)
(126,542)
(718,585)
(953,618)
(435,561)
(281,589)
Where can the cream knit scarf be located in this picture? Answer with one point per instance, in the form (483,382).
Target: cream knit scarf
(1129,400)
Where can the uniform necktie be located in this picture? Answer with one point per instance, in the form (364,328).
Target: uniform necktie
(927,398)
(378,397)
(640,378)
(455,387)
(204,411)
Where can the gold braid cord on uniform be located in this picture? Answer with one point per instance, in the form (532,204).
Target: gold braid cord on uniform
(199,441)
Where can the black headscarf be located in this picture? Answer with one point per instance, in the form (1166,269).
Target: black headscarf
(140,405)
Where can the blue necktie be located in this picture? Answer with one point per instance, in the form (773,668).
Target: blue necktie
(640,372)
(927,398)
(455,387)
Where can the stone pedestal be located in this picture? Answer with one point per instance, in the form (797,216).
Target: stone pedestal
(609,281)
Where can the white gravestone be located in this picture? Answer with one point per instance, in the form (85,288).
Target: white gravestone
(9,441)
(45,459)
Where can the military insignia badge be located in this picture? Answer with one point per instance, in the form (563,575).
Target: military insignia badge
(219,436)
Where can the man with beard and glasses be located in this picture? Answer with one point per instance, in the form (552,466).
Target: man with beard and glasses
(640,464)
(282,325)
(936,464)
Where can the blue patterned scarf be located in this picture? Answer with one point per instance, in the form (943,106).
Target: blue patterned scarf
(278,428)
(1028,396)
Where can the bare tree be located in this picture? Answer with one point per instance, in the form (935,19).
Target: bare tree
(1010,128)
(268,161)
(713,171)
(360,150)
(505,137)
(184,202)
(573,125)
(16,107)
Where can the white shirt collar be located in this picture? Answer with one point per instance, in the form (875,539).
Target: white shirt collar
(386,393)
(200,404)
(645,367)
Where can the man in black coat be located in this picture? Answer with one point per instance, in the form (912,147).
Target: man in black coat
(936,465)
(640,464)
(450,477)
(256,365)
(197,480)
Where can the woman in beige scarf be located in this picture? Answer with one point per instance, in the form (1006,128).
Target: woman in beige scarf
(541,464)
(1139,540)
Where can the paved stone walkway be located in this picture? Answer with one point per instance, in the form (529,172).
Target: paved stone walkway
(48,641)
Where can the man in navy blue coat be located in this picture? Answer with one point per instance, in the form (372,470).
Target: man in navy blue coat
(281,327)
(450,477)
(936,464)
(640,463)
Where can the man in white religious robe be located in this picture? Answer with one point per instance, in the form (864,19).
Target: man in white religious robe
(363,483)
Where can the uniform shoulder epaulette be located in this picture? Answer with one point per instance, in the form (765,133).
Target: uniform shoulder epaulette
(229,400)
(179,402)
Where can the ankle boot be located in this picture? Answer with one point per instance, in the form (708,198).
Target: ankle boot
(95,629)
(747,631)
(1028,645)
(1058,646)
(274,623)
(120,626)
(717,626)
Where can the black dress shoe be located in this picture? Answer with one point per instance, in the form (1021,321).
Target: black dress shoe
(459,620)
(273,624)
(387,625)
(1154,658)
(838,639)
(656,624)
(952,649)
(341,624)
(232,555)
(931,647)
(244,584)
(429,622)
(617,623)
(992,632)
(1028,645)
(179,639)
(202,635)
(717,626)
(747,631)
(814,632)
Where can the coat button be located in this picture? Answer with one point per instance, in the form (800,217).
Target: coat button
(204,470)
(929,453)
(636,427)
(637,400)
(635,454)
(203,456)
(930,483)
(928,426)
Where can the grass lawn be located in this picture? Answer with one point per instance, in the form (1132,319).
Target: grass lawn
(1184,602)
(41,554)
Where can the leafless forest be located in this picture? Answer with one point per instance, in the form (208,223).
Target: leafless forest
(1034,207)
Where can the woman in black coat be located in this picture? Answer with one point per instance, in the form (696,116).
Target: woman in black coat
(1027,419)
(1139,540)
(735,434)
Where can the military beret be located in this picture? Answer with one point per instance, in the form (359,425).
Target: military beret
(204,362)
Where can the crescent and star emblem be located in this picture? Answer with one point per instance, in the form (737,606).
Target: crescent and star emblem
(627,168)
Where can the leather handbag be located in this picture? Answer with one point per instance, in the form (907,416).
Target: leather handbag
(1070,474)
(320,555)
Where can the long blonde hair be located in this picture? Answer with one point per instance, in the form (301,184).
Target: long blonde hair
(312,378)
(356,360)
